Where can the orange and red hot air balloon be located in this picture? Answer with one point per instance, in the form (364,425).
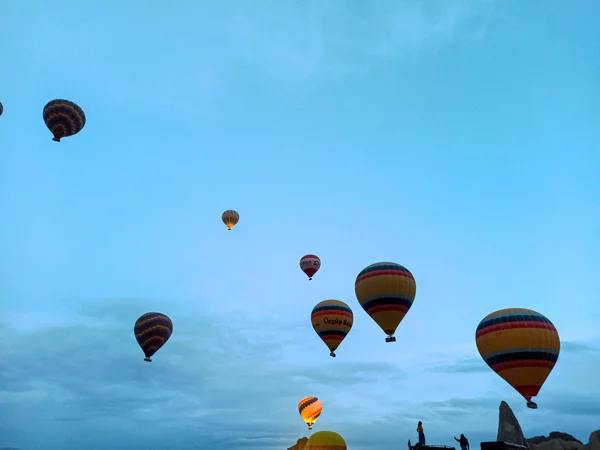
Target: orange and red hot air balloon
(310,264)
(521,346)
(152,330)
(310,409)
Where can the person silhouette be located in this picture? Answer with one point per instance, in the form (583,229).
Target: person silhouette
(421,433)
(464,442)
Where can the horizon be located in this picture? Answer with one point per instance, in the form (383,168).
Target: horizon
(459,139)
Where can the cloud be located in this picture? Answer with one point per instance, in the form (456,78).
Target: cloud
(216,380)
(335,38)
(470,365)
(567,347)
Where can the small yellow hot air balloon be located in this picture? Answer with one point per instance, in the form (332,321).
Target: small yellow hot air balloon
(230,218)
(310,409)
(386,292)
(326,440)
(332,320)
(521,346)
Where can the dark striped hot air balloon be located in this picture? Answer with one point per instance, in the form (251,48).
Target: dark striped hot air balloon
(63,118)
(326,440)
(521,346)
(332,321)
(152,331)
(230,218)
(1,108)
(386,292)
(310,409)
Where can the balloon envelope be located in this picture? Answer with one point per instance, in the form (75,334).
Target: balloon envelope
(63,118)
(386,291)
(230,218)
(332,321)
(521,346)
(326,440)
(310,264)
(152,331)
(310,409)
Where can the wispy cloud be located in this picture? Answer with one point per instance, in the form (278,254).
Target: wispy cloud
(327,39)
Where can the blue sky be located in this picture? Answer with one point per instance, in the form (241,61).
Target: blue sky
(456,137)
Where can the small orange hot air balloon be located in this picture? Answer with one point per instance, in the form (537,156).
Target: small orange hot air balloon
(310,409)
(230,218)
(521,346)
(332,321)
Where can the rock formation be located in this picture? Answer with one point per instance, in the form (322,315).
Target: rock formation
(301,444)
(509,429)
(554,435)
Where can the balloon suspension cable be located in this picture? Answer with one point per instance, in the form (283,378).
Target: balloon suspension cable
(332,354)
(147,359)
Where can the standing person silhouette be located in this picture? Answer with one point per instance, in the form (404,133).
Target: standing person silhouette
(421,434)
(464,442)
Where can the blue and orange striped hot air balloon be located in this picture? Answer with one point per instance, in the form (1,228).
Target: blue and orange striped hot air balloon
(520,345)
(152,330)
(310,409)
(386,292)
(332,321)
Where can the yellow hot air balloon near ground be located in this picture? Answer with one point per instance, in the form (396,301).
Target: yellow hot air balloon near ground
(386,292)
(520,345)
(310,409)
(230,218)
(326,440)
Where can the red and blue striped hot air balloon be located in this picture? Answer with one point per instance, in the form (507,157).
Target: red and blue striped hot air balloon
(521,346)
(332,321)
(386,292)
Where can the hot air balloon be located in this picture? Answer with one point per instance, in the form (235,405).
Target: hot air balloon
(332,320)
(152,331)
(310,264)
(326,440)
(310,409)
(1,108)
(386,291)
(520,345)
(63,118)
(230,218)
